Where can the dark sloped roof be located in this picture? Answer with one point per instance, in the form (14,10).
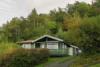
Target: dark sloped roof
(32,41)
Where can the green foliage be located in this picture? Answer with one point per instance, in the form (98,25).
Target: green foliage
(24,58)
(77,24)
(86,35)
(58,16)
(82,8)
(96,5)
(6,47)
(51,27)
(90,27)
(96,65)
(87,61)
(12,29)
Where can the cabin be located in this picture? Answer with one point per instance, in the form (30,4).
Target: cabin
(55,45)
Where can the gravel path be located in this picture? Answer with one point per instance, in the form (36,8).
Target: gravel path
(60,64)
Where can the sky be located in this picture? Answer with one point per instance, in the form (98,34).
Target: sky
(17,8)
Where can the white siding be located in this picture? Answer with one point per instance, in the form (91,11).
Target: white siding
(70,51)
(52,45)
(42,45)
(65,46)
(27,46)
(80,51)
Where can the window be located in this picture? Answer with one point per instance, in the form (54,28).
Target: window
(62,46)
(52,45)
(28,46)
(37,45)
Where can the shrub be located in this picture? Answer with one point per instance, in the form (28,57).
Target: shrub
(24,58)
(6,47)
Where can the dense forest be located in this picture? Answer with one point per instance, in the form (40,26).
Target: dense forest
(77,24)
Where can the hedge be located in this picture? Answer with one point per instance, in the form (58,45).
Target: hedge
(24,58)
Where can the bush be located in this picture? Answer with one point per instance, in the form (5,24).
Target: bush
(6,47)
(24,58)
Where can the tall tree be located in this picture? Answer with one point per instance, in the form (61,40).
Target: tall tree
(12,29)
(82,8)
(96,5)
(86,35)
(58,16)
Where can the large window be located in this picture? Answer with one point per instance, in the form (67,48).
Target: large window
(52,45)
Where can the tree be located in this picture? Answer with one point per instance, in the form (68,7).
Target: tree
(33,19)
(82,8)
(57,16)
(12,29)
(86,35)
(96,5)
(71,22)
(51,27)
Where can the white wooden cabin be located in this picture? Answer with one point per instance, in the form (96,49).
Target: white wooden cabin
(56,45)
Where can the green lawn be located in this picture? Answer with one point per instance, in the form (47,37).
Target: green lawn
(97,65)
(55,59)
(87,61)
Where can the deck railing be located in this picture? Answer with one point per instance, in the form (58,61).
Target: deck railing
(58,51)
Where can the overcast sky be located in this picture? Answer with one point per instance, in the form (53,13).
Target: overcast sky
(17,8)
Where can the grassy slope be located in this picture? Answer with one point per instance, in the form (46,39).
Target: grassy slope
(97,65)
(86,61)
